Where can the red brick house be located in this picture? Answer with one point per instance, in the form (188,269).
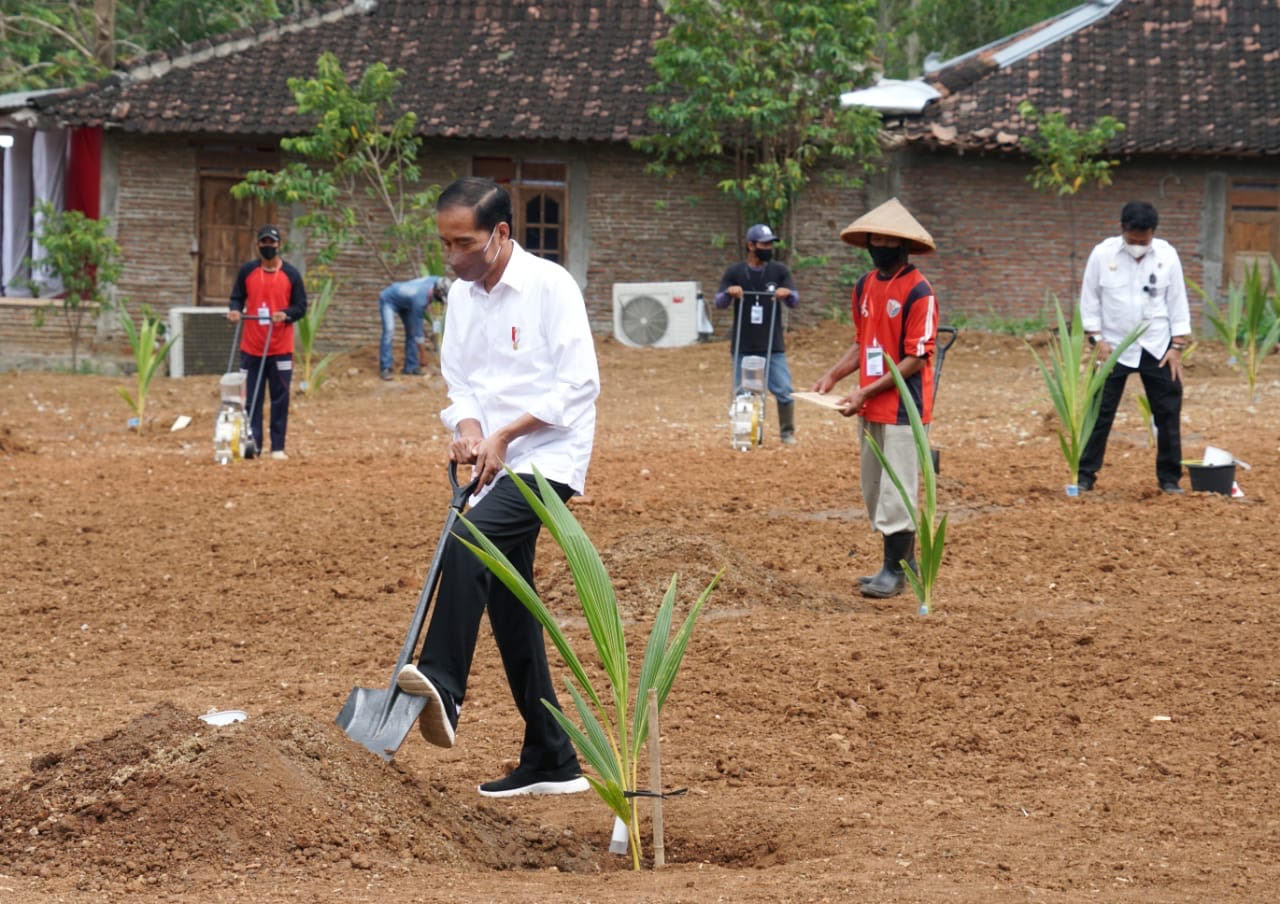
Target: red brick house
(545,95)
(1197,84)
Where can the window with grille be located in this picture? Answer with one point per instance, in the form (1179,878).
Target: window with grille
(539,194)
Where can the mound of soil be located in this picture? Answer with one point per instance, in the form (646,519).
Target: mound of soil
(169,798)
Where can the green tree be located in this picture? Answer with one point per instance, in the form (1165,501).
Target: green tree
(56,43)
(913,28)
(1066,160)
(751,91)
(358,176)
(83,258)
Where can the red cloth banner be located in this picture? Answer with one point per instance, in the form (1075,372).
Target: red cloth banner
(84,172)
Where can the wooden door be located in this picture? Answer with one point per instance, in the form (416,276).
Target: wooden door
(228,237)
(1253,228)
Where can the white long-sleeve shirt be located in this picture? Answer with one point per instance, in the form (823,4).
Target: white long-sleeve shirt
(1118,293)
(525,348)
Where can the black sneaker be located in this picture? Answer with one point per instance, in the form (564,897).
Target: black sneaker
(412,373)
(439,720)
(386,374)
(1085,483)
(1171,488)
(526,780)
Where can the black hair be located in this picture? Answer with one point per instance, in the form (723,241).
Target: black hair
(1138,215)
(487,199)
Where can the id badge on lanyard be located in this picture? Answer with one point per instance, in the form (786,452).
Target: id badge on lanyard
(874,364)
(757,314)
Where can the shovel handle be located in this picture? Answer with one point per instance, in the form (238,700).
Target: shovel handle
(952,334)
(461,493)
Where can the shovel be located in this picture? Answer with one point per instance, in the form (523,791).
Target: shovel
(937,377)
(380,719)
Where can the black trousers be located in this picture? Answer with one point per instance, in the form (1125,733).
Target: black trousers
(466,588)
(276,380)
(1165,395)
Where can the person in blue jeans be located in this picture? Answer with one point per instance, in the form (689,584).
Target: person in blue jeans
(757,287)
(407,300)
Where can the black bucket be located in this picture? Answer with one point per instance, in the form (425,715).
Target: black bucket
(1212,478)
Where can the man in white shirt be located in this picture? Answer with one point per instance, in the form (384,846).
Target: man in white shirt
(1135,278)
(521,369)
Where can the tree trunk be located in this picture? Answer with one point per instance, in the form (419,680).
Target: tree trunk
(104,32)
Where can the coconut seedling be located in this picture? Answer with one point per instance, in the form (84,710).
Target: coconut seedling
(931,534)
(1074,377)
(1247,325)
(148,353)
(614,721)
(315,373)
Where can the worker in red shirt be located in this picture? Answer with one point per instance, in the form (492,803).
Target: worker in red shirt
(268,289)
(895,317)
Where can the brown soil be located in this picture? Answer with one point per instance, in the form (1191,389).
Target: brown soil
(1006,747)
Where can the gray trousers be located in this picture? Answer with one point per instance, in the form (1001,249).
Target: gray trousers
(885,508)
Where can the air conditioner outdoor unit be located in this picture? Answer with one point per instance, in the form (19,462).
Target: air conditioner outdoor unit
(656,315)
(203,343)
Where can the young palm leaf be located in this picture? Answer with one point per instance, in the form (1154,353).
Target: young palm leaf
(610,740)
(147,358)
(931,533)
(1074,379)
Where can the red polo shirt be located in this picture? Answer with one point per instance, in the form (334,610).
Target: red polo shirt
(898,314)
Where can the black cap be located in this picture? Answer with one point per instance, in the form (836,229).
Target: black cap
(268,232)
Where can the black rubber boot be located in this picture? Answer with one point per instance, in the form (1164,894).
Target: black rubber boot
(787,422)
(890,566)
(885,573)
(890,581)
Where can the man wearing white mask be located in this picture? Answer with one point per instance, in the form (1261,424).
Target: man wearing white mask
(1131,279)
(520,365)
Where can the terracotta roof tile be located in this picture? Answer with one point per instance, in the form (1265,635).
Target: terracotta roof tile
(1184,76)
(572,70)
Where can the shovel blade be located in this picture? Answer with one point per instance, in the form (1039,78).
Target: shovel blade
(380,718)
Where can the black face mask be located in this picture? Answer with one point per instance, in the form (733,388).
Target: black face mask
(764,254)
(267,251)
(886,258)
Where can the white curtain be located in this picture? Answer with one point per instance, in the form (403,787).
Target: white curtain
(15,240)
(49,182)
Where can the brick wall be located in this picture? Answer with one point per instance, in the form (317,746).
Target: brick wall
(1002,247)
(155,218)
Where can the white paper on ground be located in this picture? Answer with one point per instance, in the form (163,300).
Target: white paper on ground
(180,423)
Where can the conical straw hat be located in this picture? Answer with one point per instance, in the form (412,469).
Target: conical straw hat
(890,218)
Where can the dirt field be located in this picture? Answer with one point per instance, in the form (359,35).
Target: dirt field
(1090,714)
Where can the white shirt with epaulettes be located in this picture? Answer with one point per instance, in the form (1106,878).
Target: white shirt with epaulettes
(1119,292)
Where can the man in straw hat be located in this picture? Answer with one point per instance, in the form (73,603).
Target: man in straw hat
(895,316)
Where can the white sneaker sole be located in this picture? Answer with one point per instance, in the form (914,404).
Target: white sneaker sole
(572,786)
(433,723)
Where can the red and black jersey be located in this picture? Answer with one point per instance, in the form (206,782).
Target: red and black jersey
(259,294)
(898,314)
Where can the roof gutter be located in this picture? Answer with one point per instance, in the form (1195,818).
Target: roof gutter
(897,97)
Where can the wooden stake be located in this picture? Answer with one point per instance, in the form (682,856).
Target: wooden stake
(655,780)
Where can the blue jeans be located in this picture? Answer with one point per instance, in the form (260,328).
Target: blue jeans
(408,301)
(777,371)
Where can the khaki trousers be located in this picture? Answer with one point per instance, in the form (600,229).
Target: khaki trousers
(885,508)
